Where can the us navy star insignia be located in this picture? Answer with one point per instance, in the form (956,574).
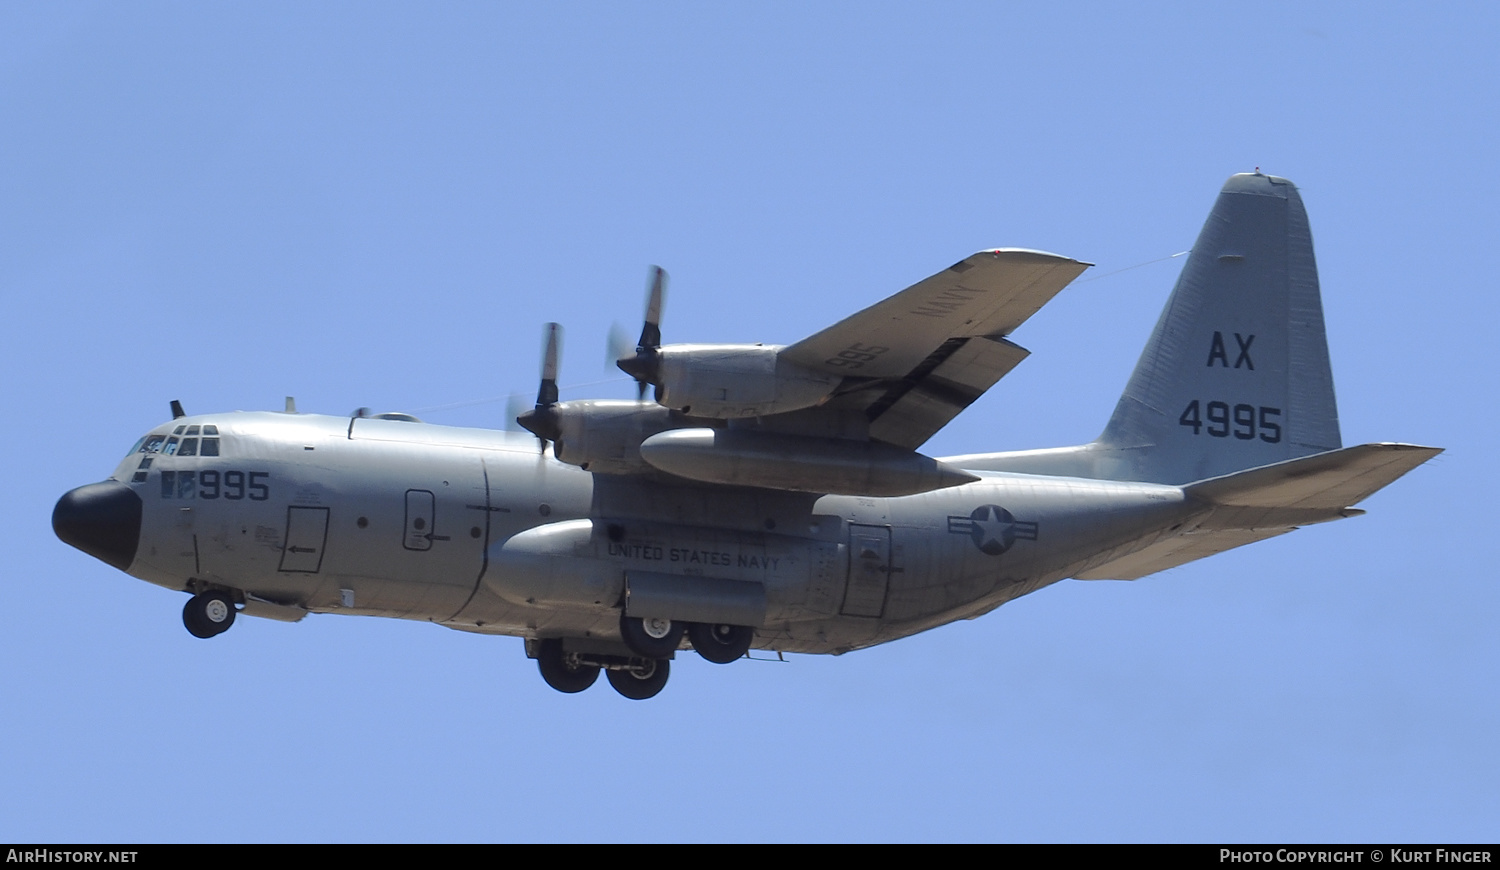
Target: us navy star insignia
(992,528)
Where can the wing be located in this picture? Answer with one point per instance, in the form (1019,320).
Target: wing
(912,362)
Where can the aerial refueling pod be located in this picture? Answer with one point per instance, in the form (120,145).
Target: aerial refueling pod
(741,457)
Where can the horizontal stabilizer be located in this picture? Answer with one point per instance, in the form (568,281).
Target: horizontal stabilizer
(1310,489)
(1250,506)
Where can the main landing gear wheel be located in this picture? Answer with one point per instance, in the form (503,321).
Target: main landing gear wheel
(652,637)
(719,643)
(643,681)
(562,671)
(208,614)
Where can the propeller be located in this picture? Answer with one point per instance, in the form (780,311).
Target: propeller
(645,365)
(543,421)
(515,405)
(617,344)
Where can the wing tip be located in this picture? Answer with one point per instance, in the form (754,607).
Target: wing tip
(1403,447)
(1018,255)
(1028,254)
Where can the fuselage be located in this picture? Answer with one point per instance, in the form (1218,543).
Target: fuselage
(477,530)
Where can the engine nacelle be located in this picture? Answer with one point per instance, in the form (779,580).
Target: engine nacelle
(605,436)
(725,381)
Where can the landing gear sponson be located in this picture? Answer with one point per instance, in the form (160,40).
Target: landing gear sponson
(652,643)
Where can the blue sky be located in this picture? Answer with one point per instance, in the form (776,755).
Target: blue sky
(374,204)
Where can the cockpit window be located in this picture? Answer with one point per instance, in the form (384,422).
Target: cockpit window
(178,430)
(138,443)
(172,445)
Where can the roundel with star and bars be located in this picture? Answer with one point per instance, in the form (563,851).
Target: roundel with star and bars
(992,528)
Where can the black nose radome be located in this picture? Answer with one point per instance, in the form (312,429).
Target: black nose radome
(101,519)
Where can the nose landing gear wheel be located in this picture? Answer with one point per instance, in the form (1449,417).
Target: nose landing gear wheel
(208,614)
(720,644)
(643,681)
(563,672)
(652,637)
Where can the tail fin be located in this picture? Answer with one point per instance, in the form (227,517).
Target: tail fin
(1236,374)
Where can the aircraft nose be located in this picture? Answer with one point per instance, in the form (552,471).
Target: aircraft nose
(101,519)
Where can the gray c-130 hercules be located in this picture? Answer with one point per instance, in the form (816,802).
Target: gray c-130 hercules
(772,497)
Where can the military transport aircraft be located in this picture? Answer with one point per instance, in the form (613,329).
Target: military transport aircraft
(771,497)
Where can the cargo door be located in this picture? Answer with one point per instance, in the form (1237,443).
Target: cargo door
(869,570)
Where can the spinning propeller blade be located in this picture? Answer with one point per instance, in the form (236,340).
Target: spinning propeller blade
(645,364)
(542,421)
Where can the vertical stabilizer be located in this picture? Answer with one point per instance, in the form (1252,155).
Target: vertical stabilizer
(1236,373)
